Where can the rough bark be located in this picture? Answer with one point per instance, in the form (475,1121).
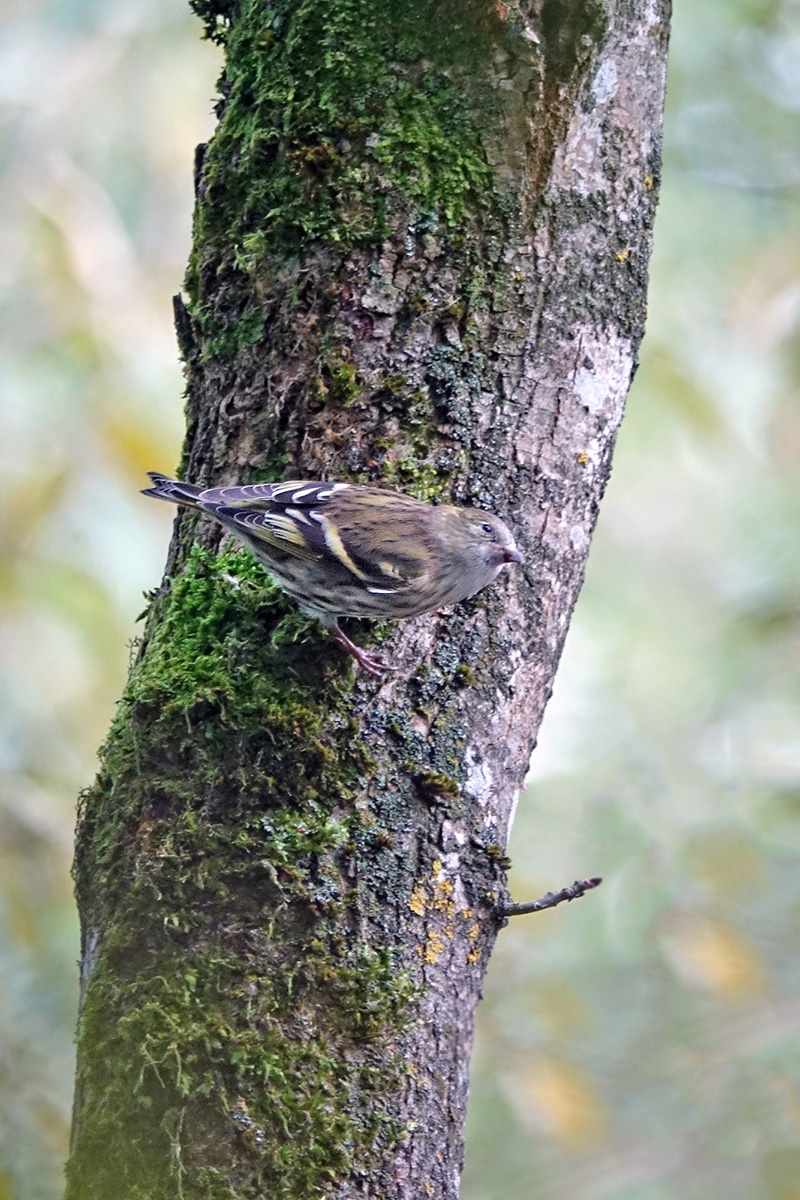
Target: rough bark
(420,258)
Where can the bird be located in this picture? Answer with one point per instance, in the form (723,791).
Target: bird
(345,550)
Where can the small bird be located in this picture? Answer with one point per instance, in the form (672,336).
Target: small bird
(341,550)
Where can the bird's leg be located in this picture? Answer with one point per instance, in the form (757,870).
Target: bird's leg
(373,664)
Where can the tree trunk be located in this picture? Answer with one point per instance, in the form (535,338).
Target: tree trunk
(420,260)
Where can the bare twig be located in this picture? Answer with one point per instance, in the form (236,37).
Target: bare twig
(550,899)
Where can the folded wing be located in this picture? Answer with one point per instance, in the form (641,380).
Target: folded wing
(365,532)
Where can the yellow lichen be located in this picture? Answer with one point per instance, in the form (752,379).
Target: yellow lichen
(417,903)
(433,948)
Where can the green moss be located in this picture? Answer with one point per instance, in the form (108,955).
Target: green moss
(229,705)
(417,477)
(396,385)
(435,786)
(187,1042)
(338,381)
(331,100)
(238,1008)
(333,119)
(464,676)
(498,856)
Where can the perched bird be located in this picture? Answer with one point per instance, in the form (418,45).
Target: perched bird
(341,550)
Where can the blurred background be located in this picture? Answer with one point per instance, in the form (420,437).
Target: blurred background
(644,1042)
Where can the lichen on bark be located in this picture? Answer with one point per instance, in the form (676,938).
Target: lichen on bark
(419,259)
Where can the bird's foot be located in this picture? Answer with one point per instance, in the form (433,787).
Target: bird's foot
(373,664)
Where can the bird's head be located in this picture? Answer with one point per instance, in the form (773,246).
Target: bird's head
(490,538)
(481,542)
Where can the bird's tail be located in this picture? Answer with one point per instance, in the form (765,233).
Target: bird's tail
(165,488)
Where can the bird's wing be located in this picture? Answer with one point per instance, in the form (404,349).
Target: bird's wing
(269,497)
(273,514)
(384,534)
(352,528)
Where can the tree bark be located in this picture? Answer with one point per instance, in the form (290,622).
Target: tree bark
(420,259)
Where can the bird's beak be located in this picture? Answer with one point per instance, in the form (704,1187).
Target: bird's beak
(512,554)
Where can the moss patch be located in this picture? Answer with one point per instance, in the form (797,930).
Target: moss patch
(326,105)
(332,120)
(239,1007)
(234,697)
(195,1044)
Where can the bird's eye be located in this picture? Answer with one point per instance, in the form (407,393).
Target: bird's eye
(486,527)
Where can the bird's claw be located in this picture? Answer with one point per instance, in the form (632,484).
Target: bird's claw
(373,664)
